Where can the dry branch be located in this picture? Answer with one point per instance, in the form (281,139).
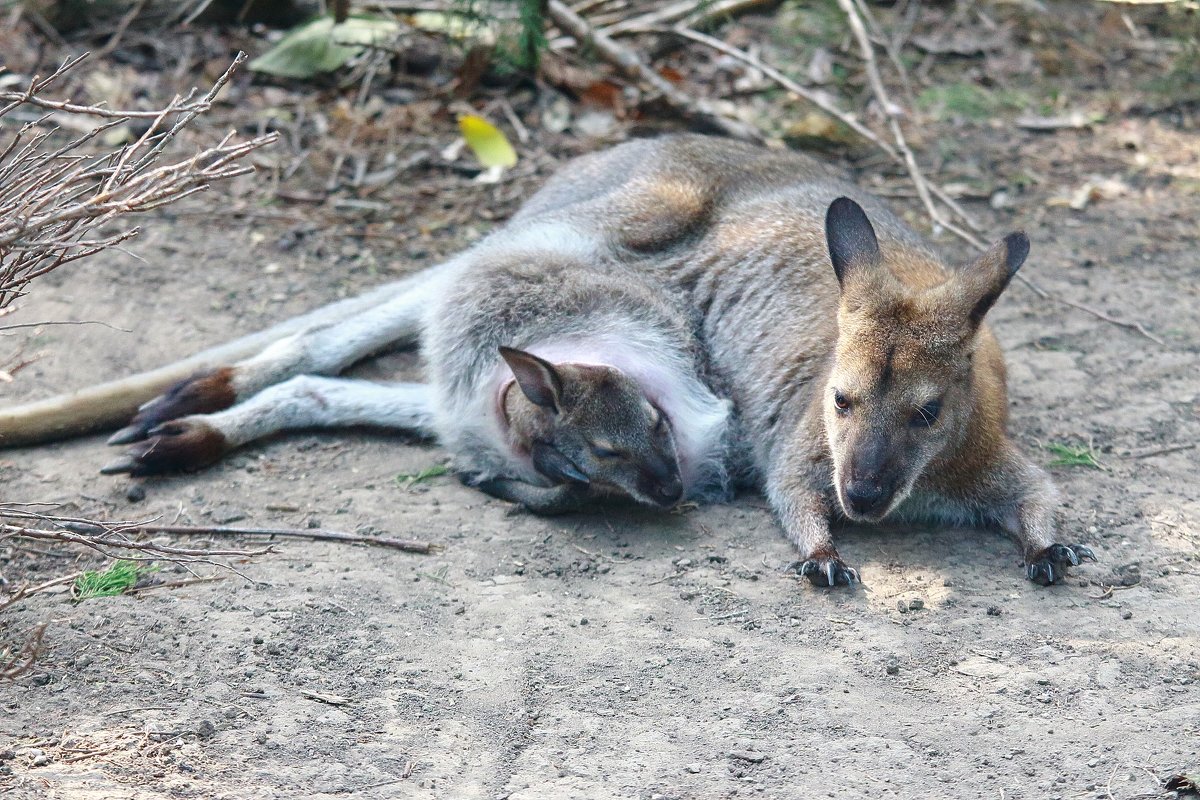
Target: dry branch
(316,534)
(631,64)
(54,200)
(21,662)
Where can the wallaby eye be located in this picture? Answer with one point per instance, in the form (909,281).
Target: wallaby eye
(841,402)
(600,451)
(926,415)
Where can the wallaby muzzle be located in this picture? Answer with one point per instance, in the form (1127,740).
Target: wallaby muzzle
(870,480)
(660,483)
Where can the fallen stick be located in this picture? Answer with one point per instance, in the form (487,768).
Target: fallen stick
(407,545)
(624,59)
(687,13)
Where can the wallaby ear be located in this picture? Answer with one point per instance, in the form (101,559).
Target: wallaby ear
(550,462)
(538,379)
(850,238)
(987,277)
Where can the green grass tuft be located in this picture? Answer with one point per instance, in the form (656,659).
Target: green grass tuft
(970,101)
(1066,455)
(117,579)
(408,480)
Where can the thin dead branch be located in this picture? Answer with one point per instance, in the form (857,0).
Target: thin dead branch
(893,112)
(316,534)
(21,662)
(697,110)
(53,200)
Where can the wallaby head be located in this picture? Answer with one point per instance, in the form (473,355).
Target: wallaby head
(900,390)
(592,425)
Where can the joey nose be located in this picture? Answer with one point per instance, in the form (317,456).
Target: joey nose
(670,493)
(865,497)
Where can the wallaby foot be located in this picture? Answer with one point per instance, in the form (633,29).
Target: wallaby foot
(825,569)
(1049,565)
(202,393)
(544,501)
(305,401)
(176,445)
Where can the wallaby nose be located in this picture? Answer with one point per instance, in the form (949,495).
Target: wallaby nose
(671,492)
(864,497)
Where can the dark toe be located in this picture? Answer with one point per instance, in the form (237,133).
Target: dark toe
(171,447)
(1050,565)
(828,571)
(202,393)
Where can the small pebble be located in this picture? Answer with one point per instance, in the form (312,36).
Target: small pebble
(994,611)
(223,515)
(902,606)
(916,604)
(693,768)
(1126,615)
(893,668)
(136,493)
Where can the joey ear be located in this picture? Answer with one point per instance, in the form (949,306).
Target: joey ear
(986,278)
(538,379)
(550,462)
(850,238)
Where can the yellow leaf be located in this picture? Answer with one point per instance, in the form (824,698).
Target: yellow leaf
(487,142)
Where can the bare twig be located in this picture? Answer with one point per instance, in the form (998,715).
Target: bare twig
(1162,451)
(105,540)
(686,14)
(122,26)
(696,109)
(892,112)
(23,661)
(317,534)
(52,199)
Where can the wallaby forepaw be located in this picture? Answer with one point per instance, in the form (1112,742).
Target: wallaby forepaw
(1050,564)
(202,393)
(825,571)
(174,446)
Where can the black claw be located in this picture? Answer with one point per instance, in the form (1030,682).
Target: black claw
(128,435)
(825,571)
(1050,564)
(123,464)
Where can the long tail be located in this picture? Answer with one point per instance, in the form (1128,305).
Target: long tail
(111,404)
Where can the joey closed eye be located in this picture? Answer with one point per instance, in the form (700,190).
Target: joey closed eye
(602,451)
(926,415)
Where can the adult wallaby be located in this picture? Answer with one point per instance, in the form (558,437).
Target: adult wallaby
(865,383)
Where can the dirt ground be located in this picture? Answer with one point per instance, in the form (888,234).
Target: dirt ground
(624,653)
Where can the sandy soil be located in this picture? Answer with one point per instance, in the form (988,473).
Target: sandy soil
(624,654)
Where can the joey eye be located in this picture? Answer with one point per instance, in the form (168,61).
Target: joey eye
(926,415)
(841,402)
(599,451)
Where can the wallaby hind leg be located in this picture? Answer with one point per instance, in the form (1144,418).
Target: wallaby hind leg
(304,401)
(325,349)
